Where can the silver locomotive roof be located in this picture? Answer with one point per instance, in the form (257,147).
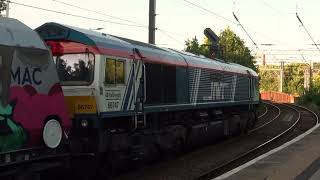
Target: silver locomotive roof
(55,31)
(15,33)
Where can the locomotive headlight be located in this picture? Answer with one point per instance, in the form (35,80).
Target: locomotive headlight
(52,133)
(84,123)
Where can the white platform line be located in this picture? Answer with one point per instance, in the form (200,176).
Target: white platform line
(235,170)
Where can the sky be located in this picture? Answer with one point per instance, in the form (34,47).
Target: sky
(267,21)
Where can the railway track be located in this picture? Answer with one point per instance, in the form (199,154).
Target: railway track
(263,113)
(272,113)
(303,114)
(277,125)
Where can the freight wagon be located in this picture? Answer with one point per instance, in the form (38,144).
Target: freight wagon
(33,117)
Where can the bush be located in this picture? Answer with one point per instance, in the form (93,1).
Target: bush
(310,97)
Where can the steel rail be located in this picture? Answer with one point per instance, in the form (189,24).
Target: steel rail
(211,172)
(265,112)
(307,110)
(263,125)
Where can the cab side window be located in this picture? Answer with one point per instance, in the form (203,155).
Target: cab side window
(114,71)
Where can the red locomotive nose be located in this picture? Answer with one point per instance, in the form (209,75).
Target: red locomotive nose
(56,48)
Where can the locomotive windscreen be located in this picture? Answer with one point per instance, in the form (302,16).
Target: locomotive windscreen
(75,69)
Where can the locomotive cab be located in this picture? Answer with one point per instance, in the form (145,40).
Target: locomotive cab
(93,83)
(78,73)
(100,84)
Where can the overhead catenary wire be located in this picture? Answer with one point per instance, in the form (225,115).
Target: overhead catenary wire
(271,7)
(209,11)
(104,14)
(234,15)
(99,20)
(97,12)
(229,20)
(170,32)
(304,59)
(169,36)
(299,19)
(115,17)
(78,16)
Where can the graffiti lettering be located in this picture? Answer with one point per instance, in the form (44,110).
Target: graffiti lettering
(26,76)
(16,75)
(36,70)
(217,91)
(12,134)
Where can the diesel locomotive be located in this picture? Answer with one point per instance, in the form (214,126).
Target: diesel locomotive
(130,100)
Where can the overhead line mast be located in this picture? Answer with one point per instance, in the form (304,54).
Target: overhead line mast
(152,21)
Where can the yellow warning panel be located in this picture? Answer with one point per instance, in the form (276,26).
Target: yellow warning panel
(81,105)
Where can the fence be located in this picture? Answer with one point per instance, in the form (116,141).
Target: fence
(277,97)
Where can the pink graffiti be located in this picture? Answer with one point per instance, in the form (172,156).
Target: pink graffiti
(31,110)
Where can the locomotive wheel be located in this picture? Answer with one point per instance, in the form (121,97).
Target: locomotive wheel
(29,176)
(52,133)
(251,120)
(177,146)
(105,172)
(244,123)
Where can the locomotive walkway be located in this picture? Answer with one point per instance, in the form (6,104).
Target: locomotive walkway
(297,159)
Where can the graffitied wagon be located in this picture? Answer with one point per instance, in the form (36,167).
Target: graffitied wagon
(33,117)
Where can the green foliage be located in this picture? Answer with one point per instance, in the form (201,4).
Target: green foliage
(232,46)
(294,78)
(269,80)
(194,47)
(316,65)
(234,49)
(316,82)
(3,5)
(313,95)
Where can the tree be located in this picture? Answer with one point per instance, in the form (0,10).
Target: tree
(232,46)
(313,95)
(316,83)
(294,78)
(3,5)
(269,80)
(234,49)
(194,47)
